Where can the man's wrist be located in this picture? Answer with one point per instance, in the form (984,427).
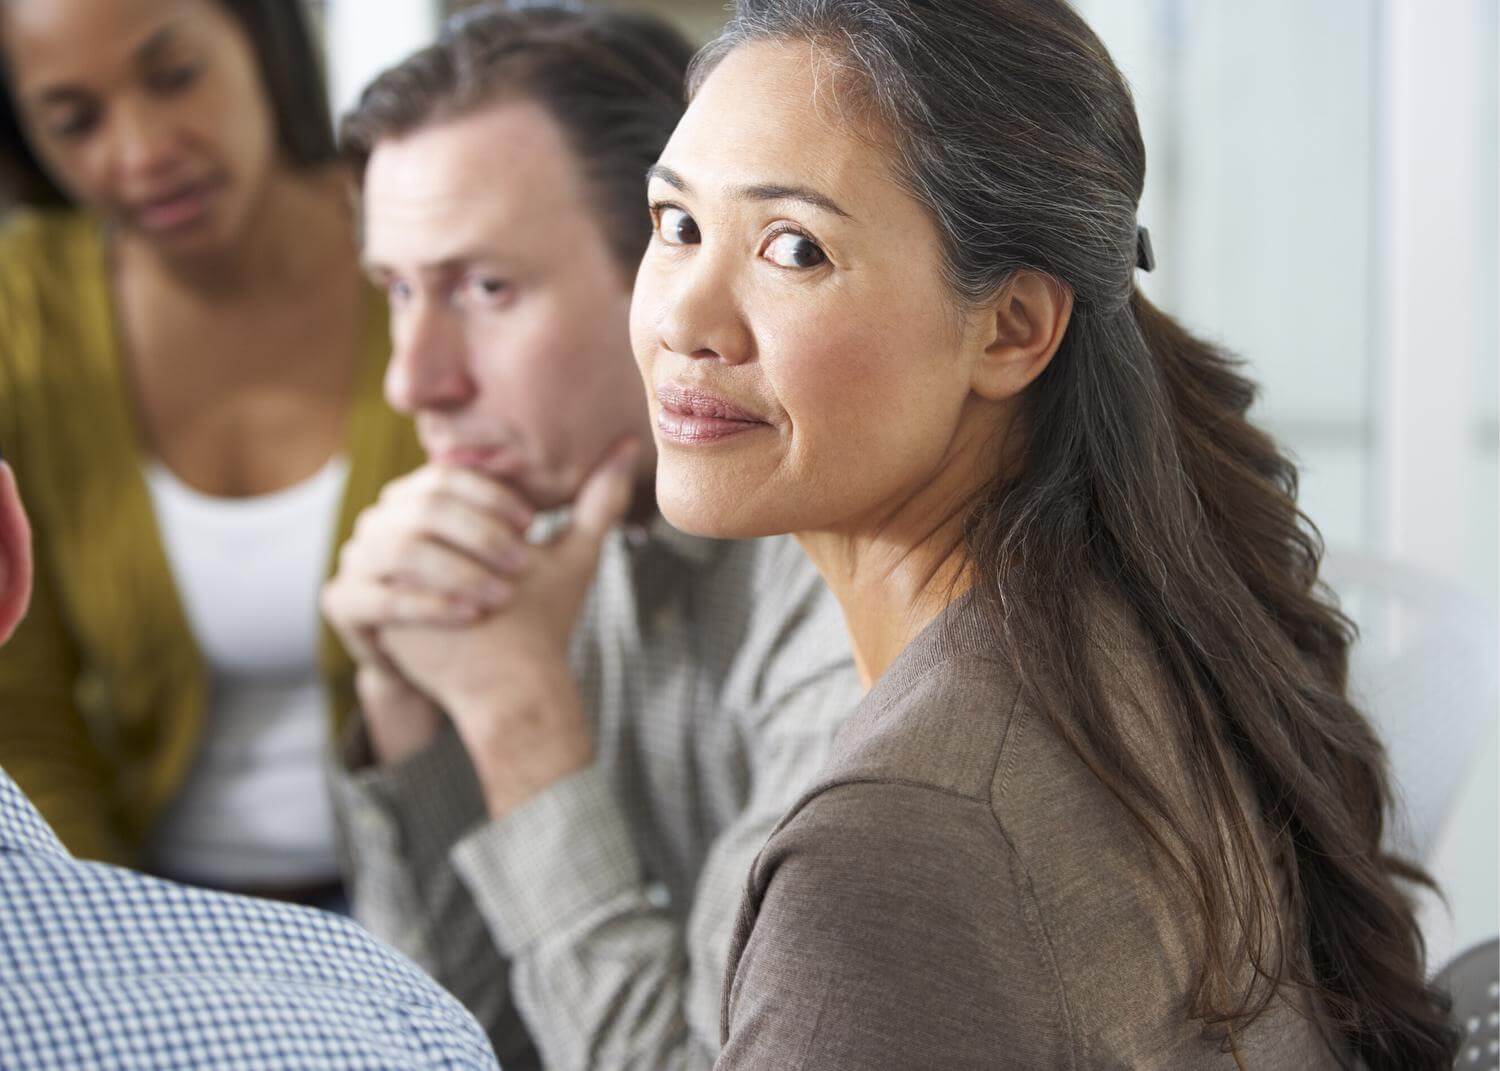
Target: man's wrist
(525,736)
(506,790)
(400,720)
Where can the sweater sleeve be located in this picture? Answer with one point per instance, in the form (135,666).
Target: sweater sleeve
(888,925)
(44,743)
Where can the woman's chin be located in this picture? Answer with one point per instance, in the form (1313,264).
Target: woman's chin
(716,514)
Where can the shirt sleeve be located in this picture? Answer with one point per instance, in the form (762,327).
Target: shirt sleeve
(602,968)
(44,739)
(888,927)
(118,969)
(401,822)
(47,745)
(604,973)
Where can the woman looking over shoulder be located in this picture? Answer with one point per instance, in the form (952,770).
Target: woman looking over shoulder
(1106,802)
(190,377)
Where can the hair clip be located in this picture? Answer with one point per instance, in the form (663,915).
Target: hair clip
(1145,259)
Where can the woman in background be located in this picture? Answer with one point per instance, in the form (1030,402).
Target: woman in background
(1107,803)
(190,372)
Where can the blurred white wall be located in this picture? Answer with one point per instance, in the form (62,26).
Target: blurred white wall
(364,37)
(1321,191)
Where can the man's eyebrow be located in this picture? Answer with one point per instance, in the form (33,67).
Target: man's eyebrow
(452,264)
(755,192)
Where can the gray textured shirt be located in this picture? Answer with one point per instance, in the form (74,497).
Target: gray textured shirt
(959,891)
(594,922)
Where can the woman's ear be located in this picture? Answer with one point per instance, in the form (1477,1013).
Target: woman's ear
(1023,327)
(15,555)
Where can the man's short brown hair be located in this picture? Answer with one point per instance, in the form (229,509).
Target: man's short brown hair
(612,82)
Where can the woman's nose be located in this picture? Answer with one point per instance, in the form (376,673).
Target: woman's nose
(143,145)
(699,315)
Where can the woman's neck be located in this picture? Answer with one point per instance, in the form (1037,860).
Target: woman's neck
(301,231)
(897,569)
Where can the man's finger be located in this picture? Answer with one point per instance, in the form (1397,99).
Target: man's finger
(430,529)
(353,605)
(478,490)
(606,494)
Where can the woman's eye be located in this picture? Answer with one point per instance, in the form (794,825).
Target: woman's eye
(76,125)
(792,250)
(172,79)
(397,291)
(676,227)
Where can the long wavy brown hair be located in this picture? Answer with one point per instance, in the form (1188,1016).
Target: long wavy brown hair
(1142,471)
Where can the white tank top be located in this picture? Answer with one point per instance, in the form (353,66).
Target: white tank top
(254,810)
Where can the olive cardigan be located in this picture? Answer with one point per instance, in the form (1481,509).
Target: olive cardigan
(102,689)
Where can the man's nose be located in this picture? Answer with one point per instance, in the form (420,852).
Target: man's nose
(429,367)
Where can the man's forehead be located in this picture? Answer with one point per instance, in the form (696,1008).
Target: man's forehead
(497,173)
(506,152)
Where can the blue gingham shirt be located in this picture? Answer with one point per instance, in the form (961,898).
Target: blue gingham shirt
(102,967)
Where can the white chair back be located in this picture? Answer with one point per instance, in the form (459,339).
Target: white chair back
(1426,669)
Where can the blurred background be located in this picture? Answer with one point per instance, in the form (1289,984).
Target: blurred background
(1323,200)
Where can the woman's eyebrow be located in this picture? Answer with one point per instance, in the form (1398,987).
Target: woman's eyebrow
(55,96)
(667,175)
(157,45)
(771,191)
(767,191)
(149,51)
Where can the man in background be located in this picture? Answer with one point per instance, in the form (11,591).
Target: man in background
(575,743)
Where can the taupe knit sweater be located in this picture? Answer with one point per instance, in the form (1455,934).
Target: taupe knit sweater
(960,891)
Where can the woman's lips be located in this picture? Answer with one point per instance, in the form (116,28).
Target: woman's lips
(175,211)
(691,416)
